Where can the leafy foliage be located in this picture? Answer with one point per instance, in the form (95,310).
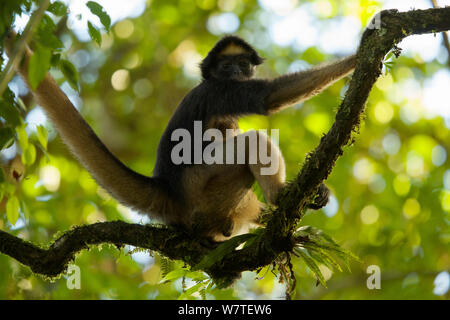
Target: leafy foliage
(39,65)
(94,33)
(98,10)
(222,250)
(320,248)
(57,8)
(390,189)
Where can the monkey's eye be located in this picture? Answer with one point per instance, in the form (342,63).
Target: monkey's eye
(244,64)
(226,65)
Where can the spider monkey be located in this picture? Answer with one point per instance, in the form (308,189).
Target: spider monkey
(210,200)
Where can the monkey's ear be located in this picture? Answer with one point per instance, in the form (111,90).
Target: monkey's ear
(206,66)
(255,58)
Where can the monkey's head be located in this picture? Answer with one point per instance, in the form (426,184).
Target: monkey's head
(231,59)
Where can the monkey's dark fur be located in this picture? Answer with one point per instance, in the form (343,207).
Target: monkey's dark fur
(214,201)
(210,61)
(221,98)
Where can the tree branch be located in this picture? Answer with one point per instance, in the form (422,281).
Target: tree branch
(53,261)
(277,237)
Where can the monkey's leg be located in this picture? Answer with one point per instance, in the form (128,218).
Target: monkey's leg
(220,199)
(265,162)
(321,198)
(220,194)
(267,165)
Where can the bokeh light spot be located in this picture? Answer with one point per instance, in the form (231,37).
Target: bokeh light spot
(120,79)
(369,214)
(411,208)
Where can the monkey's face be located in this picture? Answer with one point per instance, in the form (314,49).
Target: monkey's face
(234,67)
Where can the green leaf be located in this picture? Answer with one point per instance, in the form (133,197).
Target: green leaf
(173,275)
(39,65)
(323,256)
(45,34)
(327,238)
(333,248)
(10,113)
(55,59)
(202,293)
(305,231)
(196,275)
(342,253)
(6,137)
(69,71)
(258,233)
(330,261)
(50,41)
(42,135)
(94,33)
(47,24)
(25,210)
(389,55)
(222,250)
(57,8)
(318,239)
(346,252)
(166,265)
(189,292)
(20,105)
(311,265)
(12,210)
(101,13)
(29,155)
(22,136)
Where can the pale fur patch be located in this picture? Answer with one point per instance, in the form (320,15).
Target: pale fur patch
(233,49)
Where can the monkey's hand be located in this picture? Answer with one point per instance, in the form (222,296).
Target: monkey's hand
(321,198)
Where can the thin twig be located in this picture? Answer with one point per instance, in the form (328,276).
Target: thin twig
(444,35)
(19,49)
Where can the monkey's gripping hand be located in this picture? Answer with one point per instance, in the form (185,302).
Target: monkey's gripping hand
(321,198)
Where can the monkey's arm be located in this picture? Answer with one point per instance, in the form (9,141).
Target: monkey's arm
(293,88)
(127,186)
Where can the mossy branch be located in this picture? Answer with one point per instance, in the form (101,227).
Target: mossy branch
(277,237)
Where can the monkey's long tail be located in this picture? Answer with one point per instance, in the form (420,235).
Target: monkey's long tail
(142,193)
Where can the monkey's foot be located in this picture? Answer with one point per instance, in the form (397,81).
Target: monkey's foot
(321,198)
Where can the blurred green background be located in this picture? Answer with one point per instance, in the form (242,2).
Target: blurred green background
(391,188)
